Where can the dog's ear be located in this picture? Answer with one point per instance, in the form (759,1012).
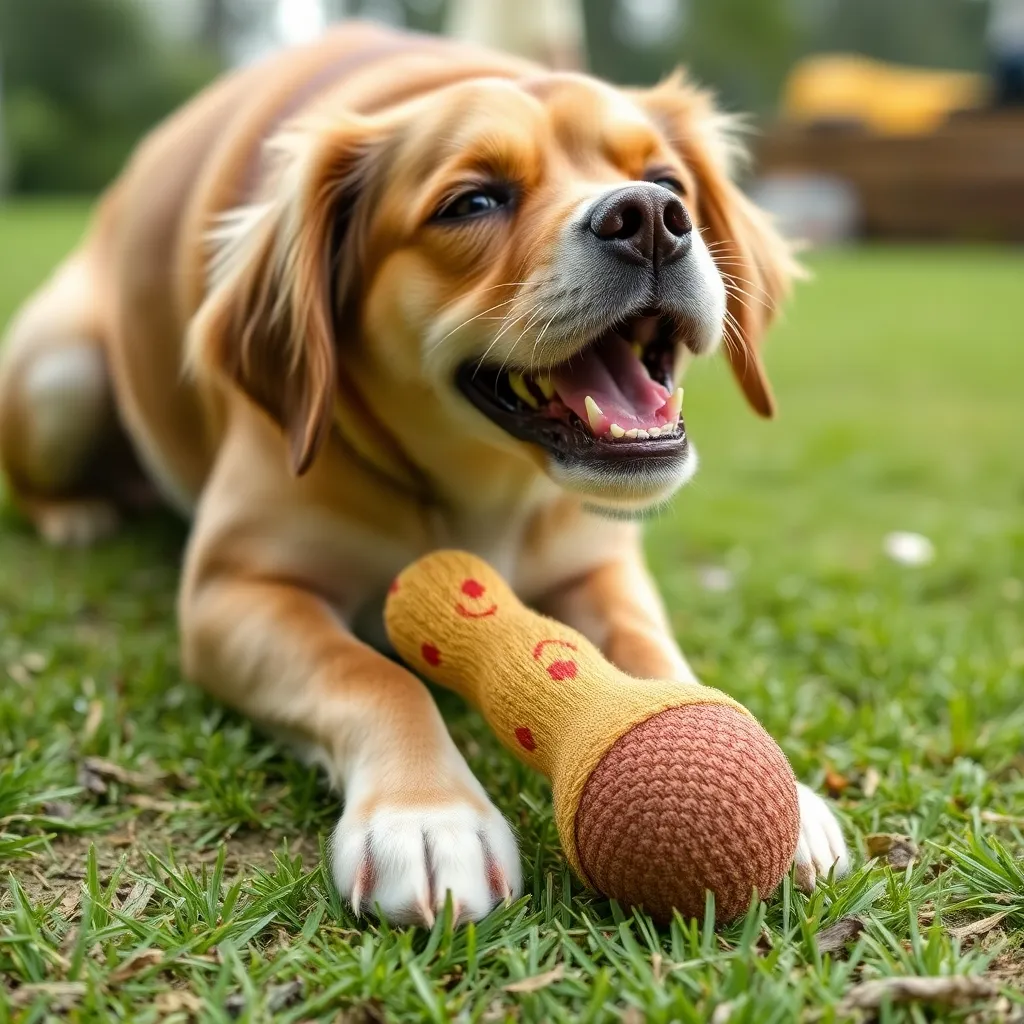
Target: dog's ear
(281,270)
(755,261)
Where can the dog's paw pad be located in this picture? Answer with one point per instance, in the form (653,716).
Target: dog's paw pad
(76,524)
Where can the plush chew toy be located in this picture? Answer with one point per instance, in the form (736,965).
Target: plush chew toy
(662,790)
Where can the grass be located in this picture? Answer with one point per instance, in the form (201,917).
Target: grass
(163,860)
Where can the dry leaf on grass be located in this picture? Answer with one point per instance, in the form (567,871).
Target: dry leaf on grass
(149,803)
(279,997)
(95,772)
(35,661)
(839,935)
(109,771)
(60,996)
(93,720)
(869,787)
(722,1014)
(994,818)
(538,981)
(899,851)
(371,1012)
(136,964)
(58,809)
(657,967)
(177,1001)
(985,925)
(836,783)
(955,991)
(137,899)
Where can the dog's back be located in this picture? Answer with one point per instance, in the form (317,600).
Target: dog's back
(105,337)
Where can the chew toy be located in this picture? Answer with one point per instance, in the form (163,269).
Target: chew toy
(662,790)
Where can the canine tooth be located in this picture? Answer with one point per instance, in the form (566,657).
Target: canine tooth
(546,387)
(675,405)
(520,387)
(615,430)
(632,433)
(654,431)
(638,349)
(594,414)
(643,435)
(683,359)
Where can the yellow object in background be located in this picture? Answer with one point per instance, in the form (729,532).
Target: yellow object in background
(888,99)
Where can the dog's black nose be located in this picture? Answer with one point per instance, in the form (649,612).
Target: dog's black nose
(642,224)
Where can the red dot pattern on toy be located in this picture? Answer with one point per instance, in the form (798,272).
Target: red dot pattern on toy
(538,648)
(525,737)
(559,670)
(431,655)
(474,590)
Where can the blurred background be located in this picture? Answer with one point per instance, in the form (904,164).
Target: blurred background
(852,571)
(895,119)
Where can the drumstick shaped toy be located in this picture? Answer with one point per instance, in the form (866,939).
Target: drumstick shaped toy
(662,789)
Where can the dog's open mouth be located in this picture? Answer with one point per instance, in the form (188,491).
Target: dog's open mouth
(613,400)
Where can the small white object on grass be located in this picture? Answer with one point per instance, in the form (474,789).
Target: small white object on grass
(716,578)
(909,548)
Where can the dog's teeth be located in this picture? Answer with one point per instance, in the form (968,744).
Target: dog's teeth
(616,431)
(519,386)
(594,414)
(638,349)
(675,405)
(546,387)
(683,359)
(654,431)
(632,433)
(643,435)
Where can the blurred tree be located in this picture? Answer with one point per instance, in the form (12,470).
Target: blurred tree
(217,25)
(83,79)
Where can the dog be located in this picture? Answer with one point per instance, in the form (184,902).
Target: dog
(380,295)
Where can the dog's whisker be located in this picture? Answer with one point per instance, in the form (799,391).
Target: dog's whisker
(470,320)
(489,288)
(496,339)
(734,285)
(732,336)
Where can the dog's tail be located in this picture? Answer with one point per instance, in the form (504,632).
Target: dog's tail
(548,31)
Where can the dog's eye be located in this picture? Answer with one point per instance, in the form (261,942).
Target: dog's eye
(672,184)
(473,203)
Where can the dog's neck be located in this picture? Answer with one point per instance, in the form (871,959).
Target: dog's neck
(477,492)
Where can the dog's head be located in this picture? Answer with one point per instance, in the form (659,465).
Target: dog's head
(531,262)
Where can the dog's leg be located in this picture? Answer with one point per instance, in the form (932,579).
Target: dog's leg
(618,608)
(57,409)
(416,822)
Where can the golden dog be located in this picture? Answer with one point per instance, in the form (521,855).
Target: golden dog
(384,294)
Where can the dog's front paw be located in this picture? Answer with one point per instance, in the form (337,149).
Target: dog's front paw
(821,842)
(405,858)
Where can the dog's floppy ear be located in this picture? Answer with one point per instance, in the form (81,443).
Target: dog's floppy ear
(755,261)
(281,270)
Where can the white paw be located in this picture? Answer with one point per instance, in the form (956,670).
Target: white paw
(406,859)
(821,842)
(76,524)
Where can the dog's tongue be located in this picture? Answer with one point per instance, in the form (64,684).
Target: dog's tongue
(618,382)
